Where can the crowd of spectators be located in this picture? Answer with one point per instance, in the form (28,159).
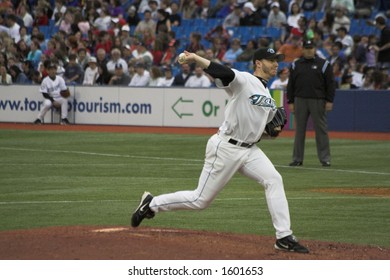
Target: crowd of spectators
(134,43)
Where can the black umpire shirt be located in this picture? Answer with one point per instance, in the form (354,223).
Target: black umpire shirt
(311,78)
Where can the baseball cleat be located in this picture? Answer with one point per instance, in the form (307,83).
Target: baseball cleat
(65,121)
(290,244)
(143,211)
(325,163)
(37,121)
(296,163)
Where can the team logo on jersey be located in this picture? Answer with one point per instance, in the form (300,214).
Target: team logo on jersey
(263,101)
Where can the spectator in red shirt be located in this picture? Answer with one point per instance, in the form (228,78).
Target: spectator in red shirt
(41,18)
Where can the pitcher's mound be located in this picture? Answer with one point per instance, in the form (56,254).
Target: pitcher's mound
(119,243)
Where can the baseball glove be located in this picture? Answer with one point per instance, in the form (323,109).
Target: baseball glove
(65,93)
(275,126)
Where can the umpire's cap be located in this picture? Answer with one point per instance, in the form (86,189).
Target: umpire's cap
(267,53)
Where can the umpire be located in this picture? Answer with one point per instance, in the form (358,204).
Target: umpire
(310,92)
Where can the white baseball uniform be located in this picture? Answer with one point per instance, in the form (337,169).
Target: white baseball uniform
(233,149)
(53,88)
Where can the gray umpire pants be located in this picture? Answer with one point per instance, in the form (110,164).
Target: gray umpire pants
(305,107)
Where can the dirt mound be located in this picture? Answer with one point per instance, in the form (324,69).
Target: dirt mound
(119,243)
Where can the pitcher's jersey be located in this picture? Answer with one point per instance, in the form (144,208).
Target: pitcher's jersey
(249,109)
(53,87)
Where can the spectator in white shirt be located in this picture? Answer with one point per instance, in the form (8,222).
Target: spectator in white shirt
(115,59)
(103,22)
(59,11)
(141,77)
(345,39)
(142,55)
(13,28)
(168,78)
(282,80)
(91,72)
(199,79)
(25,16)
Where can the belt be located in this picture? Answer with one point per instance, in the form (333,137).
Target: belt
(239,143)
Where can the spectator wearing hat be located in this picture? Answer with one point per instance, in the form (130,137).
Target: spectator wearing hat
(249,16)
(141,77)
(276,17)
(91,73)
(74,74)
(116,58)
(126,53)
(125,36)
(119,78)
(314,98)
(383,45)
(346,81)
(345,39)
(167,79)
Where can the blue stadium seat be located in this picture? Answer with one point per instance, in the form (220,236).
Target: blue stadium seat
(242,66)
(274,32)
(45,29)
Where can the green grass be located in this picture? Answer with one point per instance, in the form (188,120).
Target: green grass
(50,178)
